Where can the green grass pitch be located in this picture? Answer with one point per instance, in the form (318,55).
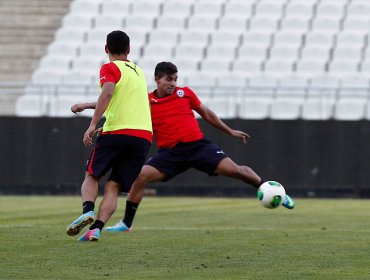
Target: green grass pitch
(188,238)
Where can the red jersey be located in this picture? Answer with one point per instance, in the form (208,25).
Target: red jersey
(173,118)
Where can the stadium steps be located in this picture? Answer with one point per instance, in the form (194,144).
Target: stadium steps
(26,29)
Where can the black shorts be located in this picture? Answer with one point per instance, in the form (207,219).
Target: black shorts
(124,154)
(203,155)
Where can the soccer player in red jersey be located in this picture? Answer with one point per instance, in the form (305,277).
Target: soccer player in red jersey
(181,142)
(123,145)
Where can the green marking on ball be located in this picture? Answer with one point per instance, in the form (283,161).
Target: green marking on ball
(260,195)
(276,201)
(274,183)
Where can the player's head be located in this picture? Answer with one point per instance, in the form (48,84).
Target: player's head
(118,43)
(165,75)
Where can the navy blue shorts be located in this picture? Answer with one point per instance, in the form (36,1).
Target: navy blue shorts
(202,155)
(123,154)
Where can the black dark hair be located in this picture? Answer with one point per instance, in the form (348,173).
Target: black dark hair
(164,68)
(118,42)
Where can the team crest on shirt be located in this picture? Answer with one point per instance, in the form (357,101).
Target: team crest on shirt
(180,93)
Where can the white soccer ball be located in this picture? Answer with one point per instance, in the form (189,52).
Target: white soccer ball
(271,194)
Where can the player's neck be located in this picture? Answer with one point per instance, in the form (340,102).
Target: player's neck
(118,57)
(159,93)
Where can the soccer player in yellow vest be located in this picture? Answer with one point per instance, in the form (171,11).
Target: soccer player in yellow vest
(126,137)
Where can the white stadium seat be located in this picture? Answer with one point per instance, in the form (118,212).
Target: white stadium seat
(355,87)
(159,52)
(355,24)
(216,66)
(56,62)
(288,38)
(31,105)
(60,106)
(92,49)
(256,38)
(289,53)
(264,24)
(177,8)
(222,38)
(207,7)
(359,9)
(330,25)
(232,24)
(145,7)
(109,22)
(273,8)
(254,108)
(157,37)
(189,50)
(194,38)
(330,9)
(351,39)
(71,34)
(139,22)
(293,86)
(171,23)
(343,52)
(262,85)
(228,51)
(279,66)
(317,109)
(247,65)
(324,86)
(202,23)
(285,109)
(85,7)
(258,53)
(239,8)
(319,38)
(62,49)
(295,24)
(112,7)
(225,106)
(311,67)
(349,110)
(300,9)
(343,67)
(78,21)
(47,76)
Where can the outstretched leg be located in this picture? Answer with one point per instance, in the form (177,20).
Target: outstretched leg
(228,167)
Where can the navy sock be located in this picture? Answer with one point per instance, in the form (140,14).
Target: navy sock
(130,212)
(97,224)
(87,206)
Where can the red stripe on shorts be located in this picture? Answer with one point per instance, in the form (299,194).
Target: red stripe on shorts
(89,167)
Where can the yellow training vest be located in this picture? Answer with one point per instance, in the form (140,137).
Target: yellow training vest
(129,107)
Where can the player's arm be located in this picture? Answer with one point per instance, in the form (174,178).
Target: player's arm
(214,120)
(79,107)
(101,105)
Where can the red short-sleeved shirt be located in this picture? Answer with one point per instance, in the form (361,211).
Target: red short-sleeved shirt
(173,117)
(109,73)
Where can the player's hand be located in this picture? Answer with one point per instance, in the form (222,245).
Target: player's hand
(88,136)
(243,136)
(76,108)
(99,131)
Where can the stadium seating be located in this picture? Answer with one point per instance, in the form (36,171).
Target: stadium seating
(293,59)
